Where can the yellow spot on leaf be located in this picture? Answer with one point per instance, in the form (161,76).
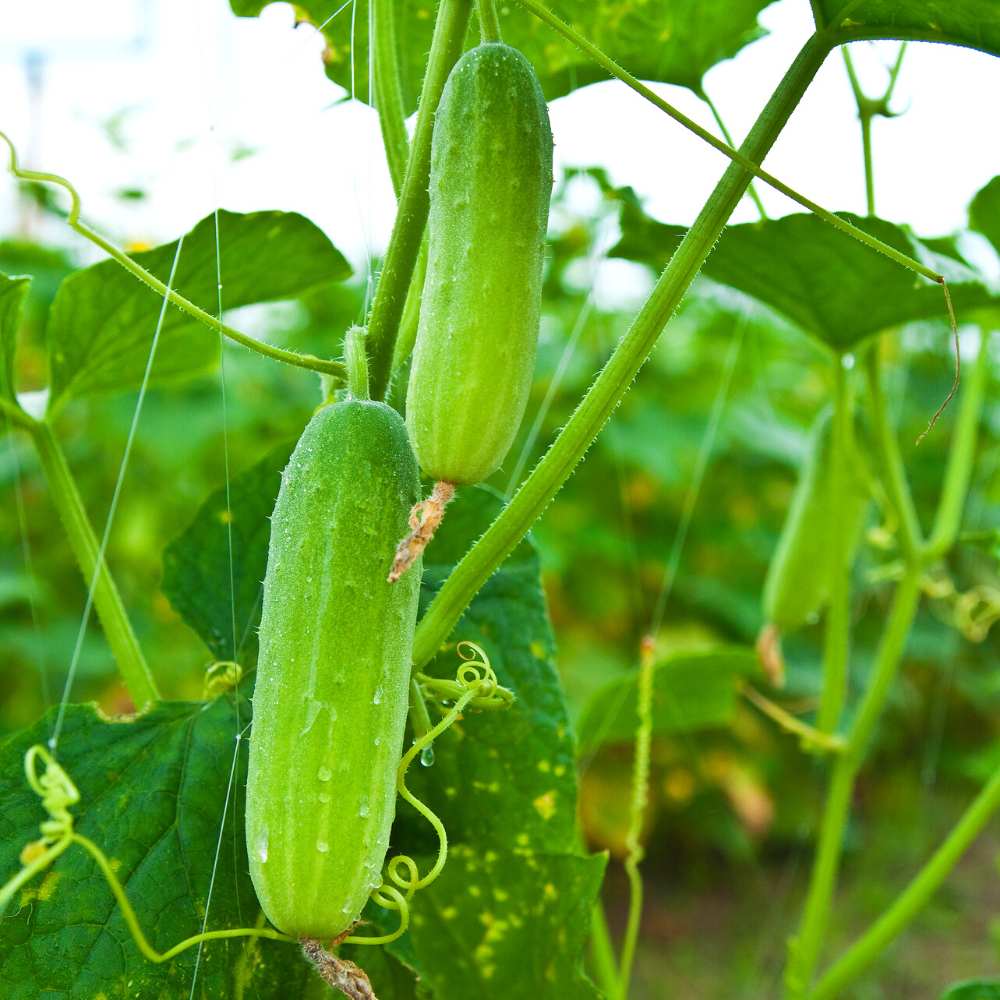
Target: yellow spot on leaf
(545,805)
(550,891)
(48,886)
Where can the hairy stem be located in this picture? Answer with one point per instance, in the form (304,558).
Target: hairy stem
(388,89)
(637,816)
(751,188)
(404,243)
(913,898)
(612,383)
(804,949)
(961,456)
(82,540)
(489,23)
(837,637)
(887,451)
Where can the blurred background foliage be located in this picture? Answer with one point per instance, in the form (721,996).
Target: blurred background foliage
(732,809)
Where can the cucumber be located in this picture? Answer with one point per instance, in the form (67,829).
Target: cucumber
(798,580)
(490,185)
(333,671)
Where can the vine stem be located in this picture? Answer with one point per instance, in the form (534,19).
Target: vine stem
(612,383)
(637,815)
(913,898)
(837,637)
(489,23)
(110,608)
(717,115)
(740,156)
(407,232)
(961,455)
(333,368)
(804,949)
(132,921)
(388,90)
(893,474)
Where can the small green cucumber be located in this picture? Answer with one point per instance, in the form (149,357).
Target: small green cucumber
(798,579)
(330,701)
(490,185)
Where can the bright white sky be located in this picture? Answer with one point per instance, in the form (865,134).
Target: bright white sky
(204,83)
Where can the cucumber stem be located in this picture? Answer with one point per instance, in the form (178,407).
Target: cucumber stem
(489,23)
(356,362)
(83,542)
(414,200)
(613,382)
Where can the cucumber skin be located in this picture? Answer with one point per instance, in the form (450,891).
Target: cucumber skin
(490,186)
(333,671)
(798,579)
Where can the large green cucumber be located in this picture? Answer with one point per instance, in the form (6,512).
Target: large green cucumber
(333,671)
(490,185)
(799,576)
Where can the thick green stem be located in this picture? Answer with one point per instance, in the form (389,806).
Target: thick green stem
(388,90)
(614,379)
(837,639)
(961,456)
(404,243)
(804,950)
(912,900)
(893,474)
(637,816)
(410,319)
(110,609)
(489,23)
(751,188)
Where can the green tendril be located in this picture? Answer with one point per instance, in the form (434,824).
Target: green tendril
(475,685)
(58,793)
(475,682)
(332,368)
(221,677)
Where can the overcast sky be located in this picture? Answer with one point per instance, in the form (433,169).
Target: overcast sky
(202,83)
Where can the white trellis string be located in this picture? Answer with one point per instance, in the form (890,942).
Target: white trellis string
(112,510)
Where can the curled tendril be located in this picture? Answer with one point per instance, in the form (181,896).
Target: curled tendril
(58,793)
(474,675)
(220,677)
(475,686)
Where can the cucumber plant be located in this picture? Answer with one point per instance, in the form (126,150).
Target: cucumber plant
(487,889)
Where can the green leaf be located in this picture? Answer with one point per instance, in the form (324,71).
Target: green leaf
(691,691)
(973,989)
(498,925)
(196,565)
(984,212)
(671,41)
(12,295)
(834,288)
(975,23)
(152,796)
(103,319)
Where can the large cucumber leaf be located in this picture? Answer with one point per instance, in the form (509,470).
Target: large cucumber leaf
(833,287)
(671,41)
(103,319)
(975,23)
(152,797)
